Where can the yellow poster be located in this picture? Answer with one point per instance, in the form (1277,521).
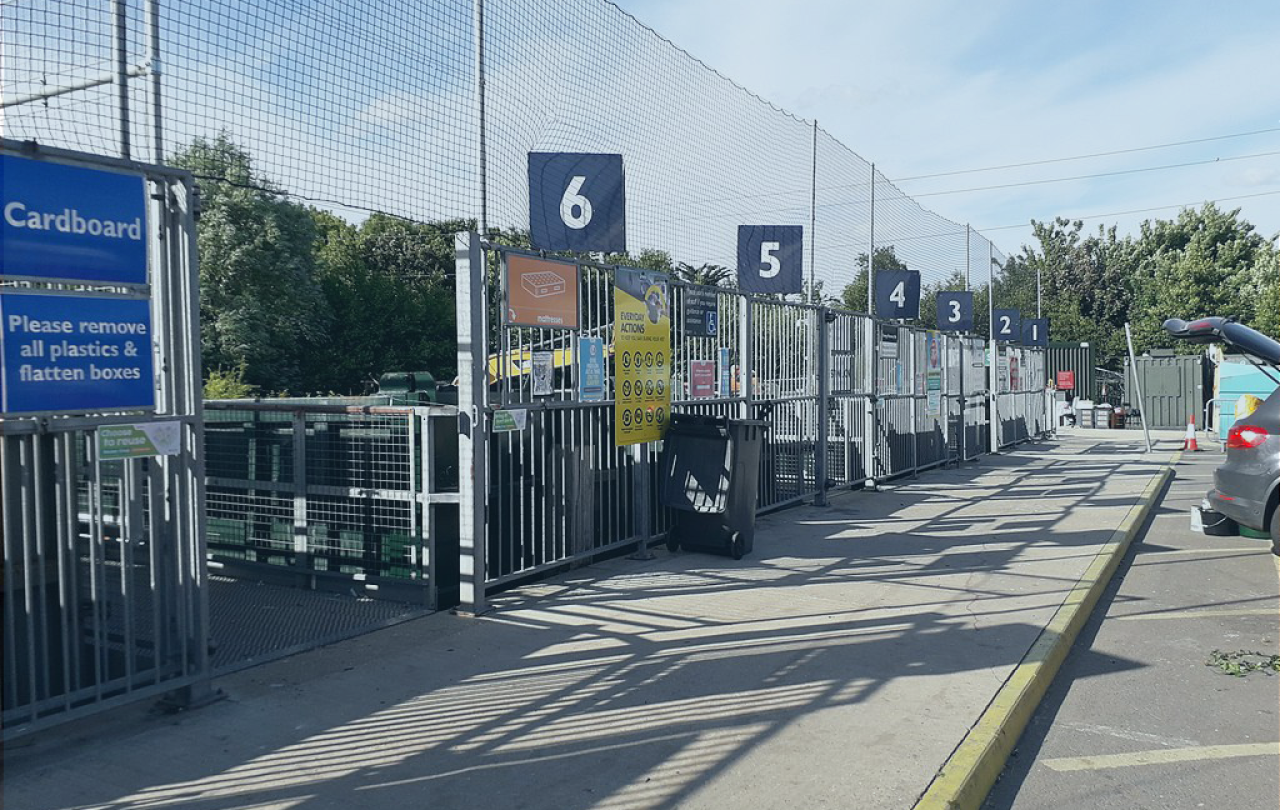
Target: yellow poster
(641,356)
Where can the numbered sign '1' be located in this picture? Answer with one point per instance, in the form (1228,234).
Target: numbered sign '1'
(1035,332)
(577,202)
(1006,324)
(897,294)
(770,258)
(955,311)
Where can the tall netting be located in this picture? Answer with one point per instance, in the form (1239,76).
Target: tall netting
(374,106)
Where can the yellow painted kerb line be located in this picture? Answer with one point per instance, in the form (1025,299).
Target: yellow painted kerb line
(971,770)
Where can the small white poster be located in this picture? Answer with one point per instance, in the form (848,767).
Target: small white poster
(541,369)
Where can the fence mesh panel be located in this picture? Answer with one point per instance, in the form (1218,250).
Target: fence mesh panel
(360,107)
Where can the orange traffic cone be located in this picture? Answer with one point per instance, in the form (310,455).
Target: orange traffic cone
(1189,442)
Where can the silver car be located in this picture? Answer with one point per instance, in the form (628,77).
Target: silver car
(1247,485)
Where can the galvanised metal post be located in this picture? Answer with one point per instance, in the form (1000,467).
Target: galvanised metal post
(120,53)
(473,453)
(482,145)
(993,388)
(153,65)
(813,221)
(745,358)
(870,441)
(822,319)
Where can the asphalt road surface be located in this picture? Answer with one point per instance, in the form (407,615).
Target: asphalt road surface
(1135,718)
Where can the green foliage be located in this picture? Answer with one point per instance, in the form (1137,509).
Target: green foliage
(712,275)
(1243,662)
(389,284)
(261,306)
(1204,262)
(228,384)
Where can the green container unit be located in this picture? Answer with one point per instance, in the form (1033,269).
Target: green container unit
(1078,357)
(1173,387)
(408,387)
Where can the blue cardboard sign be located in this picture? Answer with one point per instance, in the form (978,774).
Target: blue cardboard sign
(771,258)
(577,202)
(1035,332)
(72,222)
(76,354)
(591,369)
(1007,324)
(897,294)
(955,311)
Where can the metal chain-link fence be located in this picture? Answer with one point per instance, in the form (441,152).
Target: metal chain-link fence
(416,110)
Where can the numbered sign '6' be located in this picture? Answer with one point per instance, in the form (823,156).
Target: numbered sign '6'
(770,258)
(897,294)
(1006,324)
(577,202)
(1035,332)
(955,311)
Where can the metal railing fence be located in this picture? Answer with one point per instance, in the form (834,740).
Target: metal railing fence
(554,489)
(331,496)
(103,578)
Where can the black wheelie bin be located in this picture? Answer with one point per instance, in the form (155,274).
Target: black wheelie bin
(710,472)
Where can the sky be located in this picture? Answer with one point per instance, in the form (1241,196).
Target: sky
(923,87)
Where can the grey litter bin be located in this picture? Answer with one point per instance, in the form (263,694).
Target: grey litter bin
(710,473)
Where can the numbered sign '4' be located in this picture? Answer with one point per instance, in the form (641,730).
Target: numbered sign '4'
(897,294)
(577,202)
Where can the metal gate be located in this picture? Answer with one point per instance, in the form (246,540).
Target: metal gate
(554,489)
(104,576)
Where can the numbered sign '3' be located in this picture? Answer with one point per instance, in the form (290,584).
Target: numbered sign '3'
(771,258)
(955,311)
(577,202)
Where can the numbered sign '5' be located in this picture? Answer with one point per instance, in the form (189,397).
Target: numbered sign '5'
(577,202)
(770,258)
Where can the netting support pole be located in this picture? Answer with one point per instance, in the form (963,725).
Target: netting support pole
(473,422)
(119,14)
(153,65)
(993,378)
(822,319)
(813,221)
(483,156)
(871,441)
(968,236)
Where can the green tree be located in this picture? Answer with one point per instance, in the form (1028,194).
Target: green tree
(711,275)
(261,307)
(1205,262)
(389,284)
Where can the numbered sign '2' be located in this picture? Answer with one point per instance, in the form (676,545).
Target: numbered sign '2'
(771,258)
(955,311)
(577,202)
(897,294)
(1006,324)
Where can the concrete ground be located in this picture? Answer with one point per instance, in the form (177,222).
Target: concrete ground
(1155,727)
(837,666)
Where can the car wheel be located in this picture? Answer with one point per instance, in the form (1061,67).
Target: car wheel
(1275,532)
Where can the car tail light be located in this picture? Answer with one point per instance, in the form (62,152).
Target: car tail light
(1246,437)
